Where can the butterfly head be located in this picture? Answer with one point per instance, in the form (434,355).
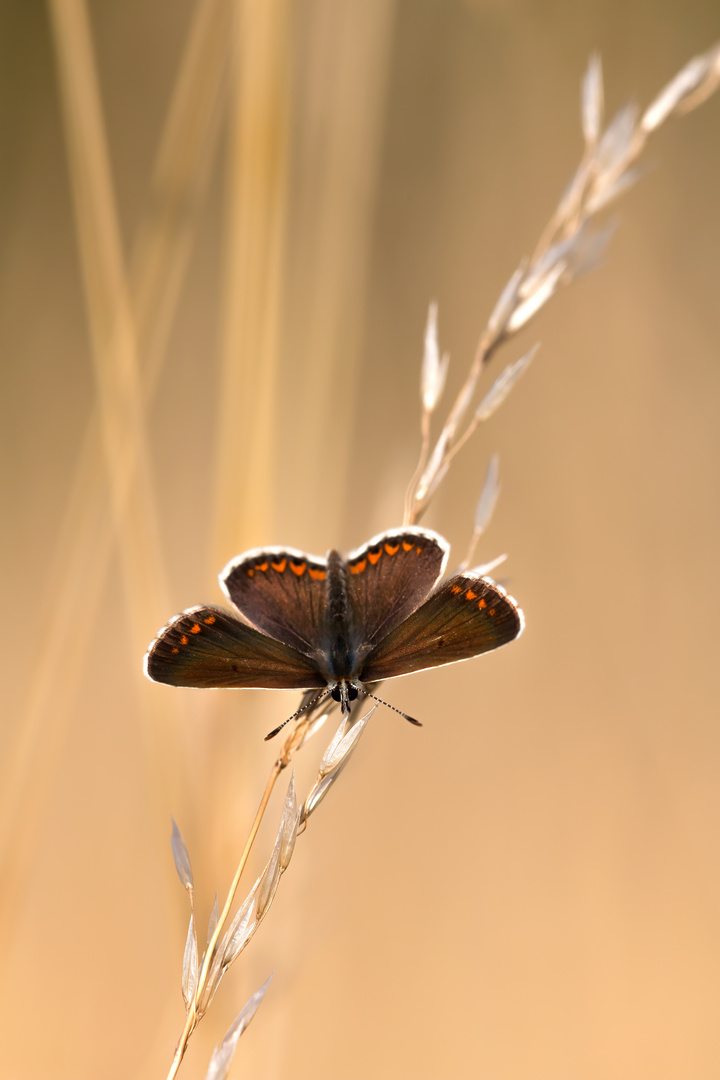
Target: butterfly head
(345,692)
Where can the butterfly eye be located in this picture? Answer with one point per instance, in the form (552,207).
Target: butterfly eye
(352,693)
(335,693)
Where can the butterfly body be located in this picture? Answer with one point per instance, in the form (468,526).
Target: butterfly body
(341,642)
(334,623)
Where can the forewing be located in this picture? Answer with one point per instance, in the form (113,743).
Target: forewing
(467,616)
(390,577)
(282,592)
(207,646)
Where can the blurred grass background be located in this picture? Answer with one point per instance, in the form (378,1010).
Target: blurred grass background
(222,224)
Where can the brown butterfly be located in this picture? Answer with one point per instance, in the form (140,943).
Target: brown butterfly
(336,624)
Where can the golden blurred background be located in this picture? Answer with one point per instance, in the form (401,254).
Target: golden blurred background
(222,224)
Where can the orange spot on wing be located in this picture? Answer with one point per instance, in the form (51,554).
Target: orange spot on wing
(406,546)
(262,566)
(183,640)
(279,566)
(374,556)
(419,551)
(175,649)
(457,588)
(358,567)
(317,574)
(195,628)
(470,595)
(210,620)
(482,604)
(392,550)
(298,568)
(491,611)
(250,572)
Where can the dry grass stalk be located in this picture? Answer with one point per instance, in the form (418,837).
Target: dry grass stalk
(158,261)
(338,137)
(253,278)
(569,246)
(201,977)
(122,435)
(112,326)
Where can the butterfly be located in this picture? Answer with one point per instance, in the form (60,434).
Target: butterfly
(335,624)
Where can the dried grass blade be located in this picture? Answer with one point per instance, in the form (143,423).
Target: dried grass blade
(181,857)
(335,759)
(316,795)
(434,368)
(433,466)
(289,825)
(223,1054)
(270,878)
(545,289)
(554,255)
(618,145)
(605,194)
(697,72)
(313,727)
(436,482)
(241,929)
(190,966)
(504,384)
(488,496)
(214,978)
(592,101)
(588,250)
(506,304)
(707,87)
(569,206)
(213,920)
(341,751)
(485,507)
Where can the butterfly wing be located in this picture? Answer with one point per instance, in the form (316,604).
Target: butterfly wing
(468,615)
(389,577)
(207,646)
(282,592)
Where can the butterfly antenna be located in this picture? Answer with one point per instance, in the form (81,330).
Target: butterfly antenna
(388,706)
(308,705)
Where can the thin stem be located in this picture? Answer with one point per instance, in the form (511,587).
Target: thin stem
(563,217)
(486,347)
(456,446)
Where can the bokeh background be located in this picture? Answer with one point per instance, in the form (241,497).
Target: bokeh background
(221,227)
